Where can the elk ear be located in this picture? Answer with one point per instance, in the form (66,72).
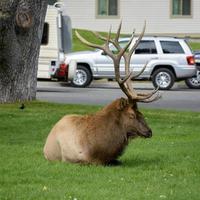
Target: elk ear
(135,107)
(122,103)
(133,104)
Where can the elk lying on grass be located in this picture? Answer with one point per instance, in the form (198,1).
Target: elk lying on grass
(100,138)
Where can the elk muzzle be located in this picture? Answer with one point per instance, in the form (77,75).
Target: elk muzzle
(134,134)
(145,132)
(148,134)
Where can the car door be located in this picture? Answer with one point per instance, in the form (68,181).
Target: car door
(104,64)
(145,52)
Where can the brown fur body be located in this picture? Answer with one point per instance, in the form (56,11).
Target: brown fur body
(99,138)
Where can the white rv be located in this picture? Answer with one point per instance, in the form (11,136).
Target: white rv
(56,41)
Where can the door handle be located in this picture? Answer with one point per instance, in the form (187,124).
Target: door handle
(154,58)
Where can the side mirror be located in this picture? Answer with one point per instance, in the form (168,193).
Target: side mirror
(103,53)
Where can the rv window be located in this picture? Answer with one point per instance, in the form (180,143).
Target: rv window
(45,35)
(51,2)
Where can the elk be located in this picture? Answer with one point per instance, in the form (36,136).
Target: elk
(101,138)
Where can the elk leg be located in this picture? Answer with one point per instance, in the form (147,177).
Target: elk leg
(114,163)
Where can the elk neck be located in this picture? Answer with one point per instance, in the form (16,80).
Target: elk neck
(110,112)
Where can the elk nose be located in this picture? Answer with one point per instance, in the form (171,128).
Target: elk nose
(149,133)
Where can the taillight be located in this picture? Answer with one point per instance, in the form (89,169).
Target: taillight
(62,70)
(190,60)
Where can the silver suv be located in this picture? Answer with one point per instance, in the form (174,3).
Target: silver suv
(169,60)
(194,82)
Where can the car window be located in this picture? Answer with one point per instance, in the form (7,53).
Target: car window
(171,47)
(146,47)
(121,43)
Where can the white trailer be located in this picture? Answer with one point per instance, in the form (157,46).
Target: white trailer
(56,42)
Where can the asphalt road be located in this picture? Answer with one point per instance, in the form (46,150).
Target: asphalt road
(103,92)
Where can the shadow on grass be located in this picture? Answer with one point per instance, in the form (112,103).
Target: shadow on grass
(143,162)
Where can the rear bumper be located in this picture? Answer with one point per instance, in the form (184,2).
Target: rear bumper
(198,66)
(186,72)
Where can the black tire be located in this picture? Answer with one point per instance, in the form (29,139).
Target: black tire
(193,83)
(163,78)
(83,77)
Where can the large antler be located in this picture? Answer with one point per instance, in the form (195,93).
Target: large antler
(126,52)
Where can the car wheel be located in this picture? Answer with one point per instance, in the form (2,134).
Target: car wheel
(163,78)
(82,77)
(194,82)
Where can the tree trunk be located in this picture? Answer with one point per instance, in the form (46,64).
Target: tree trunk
(21,26)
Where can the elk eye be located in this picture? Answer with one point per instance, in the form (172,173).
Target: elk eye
(132,116)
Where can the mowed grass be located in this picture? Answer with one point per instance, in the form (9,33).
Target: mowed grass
(78,46)
(195,45)
(167,166)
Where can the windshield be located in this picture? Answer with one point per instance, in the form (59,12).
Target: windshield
(121,43)
(113,48)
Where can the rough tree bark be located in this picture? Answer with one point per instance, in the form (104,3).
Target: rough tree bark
(21,26)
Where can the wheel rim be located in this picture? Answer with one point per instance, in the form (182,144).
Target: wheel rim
(196,80)
(163,79)
(80,77)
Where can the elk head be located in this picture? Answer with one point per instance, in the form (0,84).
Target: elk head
(133,120)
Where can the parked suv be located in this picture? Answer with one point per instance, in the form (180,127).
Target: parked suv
(169,60)
(194,82)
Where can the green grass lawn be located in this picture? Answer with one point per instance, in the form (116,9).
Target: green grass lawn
(195,45)
(78,46)
(167,166)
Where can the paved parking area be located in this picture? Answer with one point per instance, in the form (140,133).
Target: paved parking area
(103,92)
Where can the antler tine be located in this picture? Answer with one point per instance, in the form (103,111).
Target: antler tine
(138,41)
(118,32)
(84,41)
(125,84)
(128,56)
(104,47)
(115,41)
(135,76)
(132,76)
(148,95)
(109,36)
(123,50)
(98,35)
(155,98)
(129,75)
(101,37)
